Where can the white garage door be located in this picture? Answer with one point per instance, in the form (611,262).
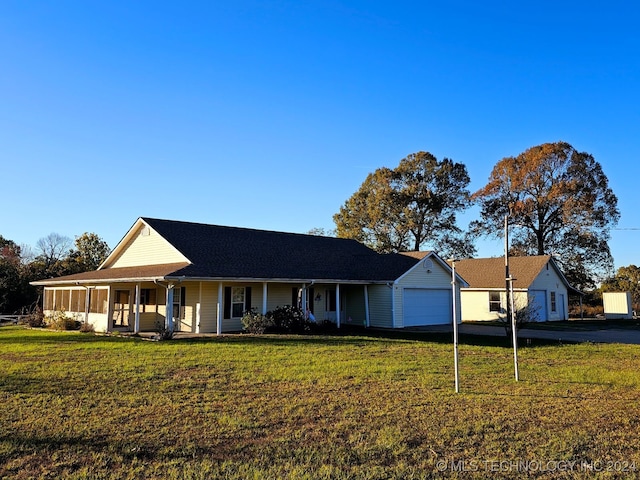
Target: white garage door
(423,306)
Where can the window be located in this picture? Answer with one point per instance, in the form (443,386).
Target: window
(78,300)
(61,300)
(147,300)
(330,300)
(553,302)
(179,301)
(237,300)
(494,302)
(48,299)
(98,300)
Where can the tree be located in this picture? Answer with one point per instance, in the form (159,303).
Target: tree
(10,283)
(53,248)
(322,232)
(90,251)
(559,202)
(408,207)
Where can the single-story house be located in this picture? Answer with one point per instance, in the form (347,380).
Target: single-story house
(538,282)
(209,275)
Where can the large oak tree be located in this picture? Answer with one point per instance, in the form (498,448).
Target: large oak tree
(559,202)
(409,207)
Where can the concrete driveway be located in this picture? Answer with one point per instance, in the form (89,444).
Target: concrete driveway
(630,336)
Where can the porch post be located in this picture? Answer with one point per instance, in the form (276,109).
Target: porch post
(136,324)
(110,308)
(219,311)
(367,322)
(264,298)
(338,305)
(198,307)
(87,300)
(303,299)
(169,309)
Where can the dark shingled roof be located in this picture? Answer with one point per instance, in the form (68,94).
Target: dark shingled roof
(231,252)
(490,272)
(148,272)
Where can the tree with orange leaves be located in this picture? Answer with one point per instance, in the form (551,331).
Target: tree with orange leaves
(558,202)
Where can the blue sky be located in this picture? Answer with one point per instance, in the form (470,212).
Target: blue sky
(270,114)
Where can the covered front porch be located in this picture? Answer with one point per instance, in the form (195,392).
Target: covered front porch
(203,306)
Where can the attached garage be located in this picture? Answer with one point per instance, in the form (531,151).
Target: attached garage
(426,306)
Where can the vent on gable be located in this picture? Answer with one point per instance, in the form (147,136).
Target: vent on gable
(145,232)
(427,263)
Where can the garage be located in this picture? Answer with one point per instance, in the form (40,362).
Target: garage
(426,306)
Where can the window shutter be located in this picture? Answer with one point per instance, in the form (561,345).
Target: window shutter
(227,302)
(312,299)
(294,297)
(183,297)
(247,298)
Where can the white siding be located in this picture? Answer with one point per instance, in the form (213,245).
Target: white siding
(380,306)
(278,295)
(475,305)
(146,247)
(354,309)
(208,307)
(617,305)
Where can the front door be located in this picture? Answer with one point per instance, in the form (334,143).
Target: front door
(330,305)
(121,309)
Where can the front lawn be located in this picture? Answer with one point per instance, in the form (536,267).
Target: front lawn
(82,406)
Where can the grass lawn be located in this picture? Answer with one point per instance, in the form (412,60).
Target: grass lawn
(354,406)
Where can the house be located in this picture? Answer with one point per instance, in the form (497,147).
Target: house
(538,283)
(201,278)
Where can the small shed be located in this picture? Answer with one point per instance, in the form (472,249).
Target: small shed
(617,305)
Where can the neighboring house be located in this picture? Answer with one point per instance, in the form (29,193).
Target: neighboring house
(538,282)
(210,275)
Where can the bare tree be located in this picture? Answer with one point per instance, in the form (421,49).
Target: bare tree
(53,248)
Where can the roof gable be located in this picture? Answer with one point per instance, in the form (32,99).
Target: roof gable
(490,272)
(142,245)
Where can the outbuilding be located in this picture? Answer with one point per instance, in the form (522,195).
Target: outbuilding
(539,285)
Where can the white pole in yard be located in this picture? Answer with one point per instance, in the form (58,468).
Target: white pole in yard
(455,324)
(513,330)
(509,294)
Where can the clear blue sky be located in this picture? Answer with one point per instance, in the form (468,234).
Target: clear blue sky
(270,114)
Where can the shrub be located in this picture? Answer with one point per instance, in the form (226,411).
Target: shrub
(35,319)
(60,321)
(87,327)
(285,319)
(254,322)
(289,319)
(163,332)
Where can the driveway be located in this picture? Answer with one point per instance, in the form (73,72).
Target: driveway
(630,336)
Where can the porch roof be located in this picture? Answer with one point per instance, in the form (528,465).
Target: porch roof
(122,274)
